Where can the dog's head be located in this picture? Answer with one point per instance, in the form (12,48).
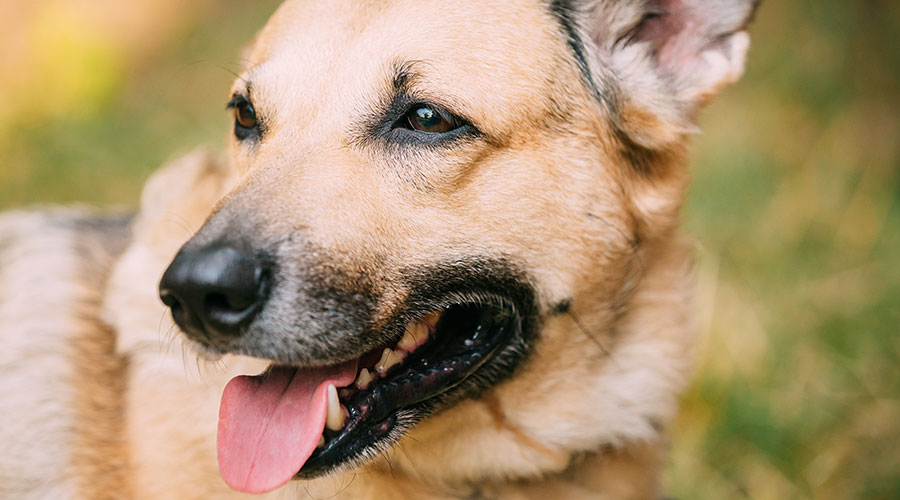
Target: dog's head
(437,202)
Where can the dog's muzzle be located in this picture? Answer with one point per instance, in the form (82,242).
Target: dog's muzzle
(215,291)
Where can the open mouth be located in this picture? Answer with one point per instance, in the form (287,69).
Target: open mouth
(304,422)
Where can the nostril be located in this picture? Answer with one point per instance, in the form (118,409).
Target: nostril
(175,306)
(177,312)
(168,298)
(222,302)
(237,300)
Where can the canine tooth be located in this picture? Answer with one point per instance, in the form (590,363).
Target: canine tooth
(431,319)
(389,358)
(334,418)
(364,379)
(321,442)
(415,335)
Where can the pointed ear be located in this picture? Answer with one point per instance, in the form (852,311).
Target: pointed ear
(666,58)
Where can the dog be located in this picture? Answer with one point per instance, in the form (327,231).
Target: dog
(440,259)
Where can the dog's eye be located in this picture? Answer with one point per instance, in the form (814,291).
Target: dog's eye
(245,115)
(245,121)
(431,120)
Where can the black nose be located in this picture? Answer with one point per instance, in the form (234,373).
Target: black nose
(214,291)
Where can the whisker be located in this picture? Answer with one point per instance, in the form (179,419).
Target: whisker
(588,334)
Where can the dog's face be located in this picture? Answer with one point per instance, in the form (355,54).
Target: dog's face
(448,181)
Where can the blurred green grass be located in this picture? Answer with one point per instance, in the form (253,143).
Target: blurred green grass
(133,115)
(795,204)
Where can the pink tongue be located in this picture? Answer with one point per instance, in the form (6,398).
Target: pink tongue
(270,424)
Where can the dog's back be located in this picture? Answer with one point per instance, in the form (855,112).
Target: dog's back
(52,266)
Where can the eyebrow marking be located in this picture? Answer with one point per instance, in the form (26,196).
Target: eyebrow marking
(392,99)
(405,76)
(245,90)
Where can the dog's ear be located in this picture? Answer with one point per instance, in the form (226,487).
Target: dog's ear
(664,58)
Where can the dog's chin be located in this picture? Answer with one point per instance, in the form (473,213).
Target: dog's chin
(467,349)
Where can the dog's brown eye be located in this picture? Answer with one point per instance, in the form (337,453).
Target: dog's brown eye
(428,119)
(246,124)
(244,114)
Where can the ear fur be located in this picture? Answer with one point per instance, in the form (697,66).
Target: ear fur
(666,59)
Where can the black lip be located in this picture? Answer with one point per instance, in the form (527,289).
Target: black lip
(468,338)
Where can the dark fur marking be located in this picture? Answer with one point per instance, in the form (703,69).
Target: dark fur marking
(562,307)
(403,76)
(479,278)
(645,161)
(565,12)
(642,159)
(477,494)
(107,232)
(391,103)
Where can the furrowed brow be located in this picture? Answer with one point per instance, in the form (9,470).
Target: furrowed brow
(405,75)
(399,85)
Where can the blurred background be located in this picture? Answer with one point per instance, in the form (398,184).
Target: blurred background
(795,205)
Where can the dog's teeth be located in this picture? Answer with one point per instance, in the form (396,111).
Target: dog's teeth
(364,379)
(415,335)
(334,418)
(431,319)
(321,442)
(389,359)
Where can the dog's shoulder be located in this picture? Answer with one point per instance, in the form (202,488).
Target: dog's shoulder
(53,262)
(72,281)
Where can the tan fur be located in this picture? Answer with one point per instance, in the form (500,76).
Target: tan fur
(584,197)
